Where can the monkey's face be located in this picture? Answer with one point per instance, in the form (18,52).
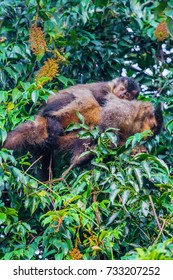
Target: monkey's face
(149,123)
(126,88)
(121,92)
(152,120)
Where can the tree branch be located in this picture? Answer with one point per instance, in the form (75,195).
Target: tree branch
(156,218)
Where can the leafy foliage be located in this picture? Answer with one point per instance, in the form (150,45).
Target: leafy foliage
(121,205)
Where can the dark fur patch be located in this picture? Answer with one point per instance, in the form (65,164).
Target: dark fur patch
(79,146)
(133,86)
(159,118)
(58,103)
(100,96)
(55,129)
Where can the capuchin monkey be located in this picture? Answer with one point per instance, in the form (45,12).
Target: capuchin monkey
(88,99)
(47,132)
(82,97)
(104,104)
(60,111)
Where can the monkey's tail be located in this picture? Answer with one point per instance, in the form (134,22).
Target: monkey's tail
(28,134)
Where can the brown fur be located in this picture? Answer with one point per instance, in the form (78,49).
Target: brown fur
(122,87)
(128,117)
(87,99)
(61,110)
(28,133)
(87,106)
(71,143)
(46,133)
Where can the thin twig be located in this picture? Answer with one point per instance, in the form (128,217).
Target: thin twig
(33,163)
(62,177)
(155,216)
(97,213)
(167,82)
(163,225)
(50,168)
(125,209)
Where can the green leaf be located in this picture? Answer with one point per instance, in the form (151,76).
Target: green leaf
(125,196)
(35,95)
(3,96)
(101,165)
(112,218)
(76,197)
(97,174)
(138,175)
(33,205)
(154,159)
(170,3)
(7,229)
(2,218)
(16,94)
(72,127)
(147,168)
(63,80)
(160,8)
(169,14)
(145,208)
(169,126)
(169,24)
(113,137)
(48,220)
(39,56)
(10,106)
(3,135)
(81,118)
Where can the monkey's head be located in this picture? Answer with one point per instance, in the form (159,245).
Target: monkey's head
(151,118)
(125,88)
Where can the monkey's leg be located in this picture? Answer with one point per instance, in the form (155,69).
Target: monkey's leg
(71,143)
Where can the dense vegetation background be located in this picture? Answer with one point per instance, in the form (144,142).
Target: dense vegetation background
(121,206)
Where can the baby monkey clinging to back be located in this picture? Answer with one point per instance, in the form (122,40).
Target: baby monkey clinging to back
(87,99)
(47,132)
(41,136)
(60,111)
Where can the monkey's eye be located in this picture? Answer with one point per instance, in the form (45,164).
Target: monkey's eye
(122,88)
(127,94)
